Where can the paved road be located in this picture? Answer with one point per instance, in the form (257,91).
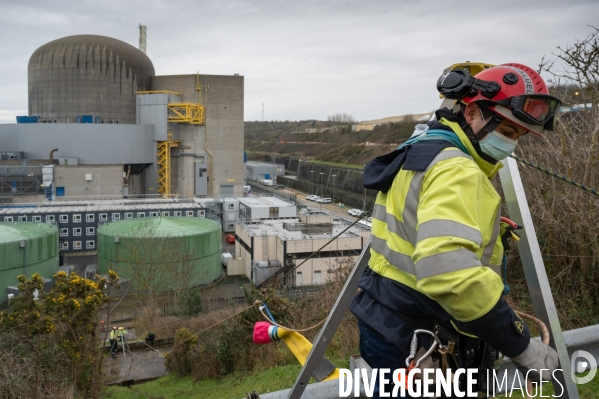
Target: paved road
(333,208)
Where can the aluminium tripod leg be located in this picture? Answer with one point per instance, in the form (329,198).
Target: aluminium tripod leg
(536,276)
(323,339)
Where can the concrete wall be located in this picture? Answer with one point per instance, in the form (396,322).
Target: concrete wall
(315,218)
(340,244)
(266,248)
(322,265)
(219,142)
(91,143)
(152,110)
(106,182)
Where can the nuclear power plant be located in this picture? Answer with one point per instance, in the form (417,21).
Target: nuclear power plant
(102,124)
(117,168)
(107,142)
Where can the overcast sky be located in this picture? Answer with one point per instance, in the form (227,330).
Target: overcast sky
(302,59)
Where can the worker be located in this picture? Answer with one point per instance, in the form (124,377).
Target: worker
(113,341)
(118,335)
(436,249)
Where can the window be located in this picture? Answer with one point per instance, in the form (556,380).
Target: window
(76,218)
(231,206)
(64,245)
(230,226)
(103,217)
(90,217)
(22,218)
(37,218)
(188,213)
(90,231)
(165,213)
(116,216)
(152,214)
(201,214)
(64,218)
(90,244)
(76,244)
(177,213)
(129,215)
(50,219)
(64,232)
(141,214)
(77,231)
(8,218)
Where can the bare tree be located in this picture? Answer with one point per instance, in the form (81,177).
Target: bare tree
(575,78)
(156,262)
(341,118)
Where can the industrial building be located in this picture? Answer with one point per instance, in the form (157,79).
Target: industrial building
(102,124)
(264,247)
(265,208)
(255,170)
(77,221)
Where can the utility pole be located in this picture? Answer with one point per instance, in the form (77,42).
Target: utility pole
(262,112)
(311,182)
(321,189)
(334,188)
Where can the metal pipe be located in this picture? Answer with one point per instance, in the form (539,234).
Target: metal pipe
(51,156)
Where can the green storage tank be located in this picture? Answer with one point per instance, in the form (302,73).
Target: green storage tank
(26,248)
(161,253)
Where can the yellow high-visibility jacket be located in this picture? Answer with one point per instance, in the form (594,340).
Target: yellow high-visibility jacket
(436,248)
(437,231)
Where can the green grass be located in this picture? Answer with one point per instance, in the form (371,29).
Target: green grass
(235,386)
(274,379)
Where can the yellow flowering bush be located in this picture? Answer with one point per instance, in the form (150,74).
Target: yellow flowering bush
(63,322)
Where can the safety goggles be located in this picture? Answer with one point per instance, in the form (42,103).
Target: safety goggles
(536,109)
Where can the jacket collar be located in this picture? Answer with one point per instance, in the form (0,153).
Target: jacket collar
(489,169)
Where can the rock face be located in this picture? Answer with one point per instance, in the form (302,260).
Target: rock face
(87,75)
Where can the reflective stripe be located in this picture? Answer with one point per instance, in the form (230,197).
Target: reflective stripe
(411,204)
(495,268)
(440,228)
(488,251)
(446,262)
(394,225)
(399,260)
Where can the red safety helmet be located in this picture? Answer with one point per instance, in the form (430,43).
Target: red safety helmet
(517,93)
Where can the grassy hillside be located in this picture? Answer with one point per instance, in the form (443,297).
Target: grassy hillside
(341,145)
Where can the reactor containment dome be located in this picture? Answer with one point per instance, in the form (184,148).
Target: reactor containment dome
(161,253)
(87,75)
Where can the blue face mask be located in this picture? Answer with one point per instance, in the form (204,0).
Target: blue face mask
(497,146)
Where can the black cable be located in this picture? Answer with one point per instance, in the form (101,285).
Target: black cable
(564,178)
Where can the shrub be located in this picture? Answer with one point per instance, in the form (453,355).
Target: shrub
(189,302)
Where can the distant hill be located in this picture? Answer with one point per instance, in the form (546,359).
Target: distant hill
(337,144)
